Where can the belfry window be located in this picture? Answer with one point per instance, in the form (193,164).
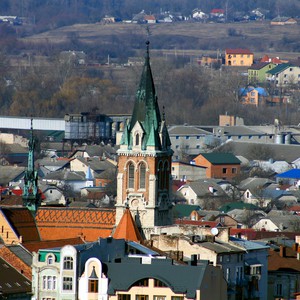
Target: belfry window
(142,176)
(137,139)
(131,176)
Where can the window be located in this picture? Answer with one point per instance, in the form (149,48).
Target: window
(142,176)
(93,286)
(67,283)
(187,137)
(233,170)
(159,297)
(141,297)
(50,260)
(123,297)
(158,283)
(255,270)
(176,298)
(227,274)
(177,146)
(224,170)
(142,282)
(278,289)
(68,263)
(49,283)
(131,176)
(177,137)
(137,139)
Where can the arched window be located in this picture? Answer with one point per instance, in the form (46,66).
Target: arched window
(50,259)
(166,175)
(68,263)
(160,175)
(137,139)
(131,176)
(142,176)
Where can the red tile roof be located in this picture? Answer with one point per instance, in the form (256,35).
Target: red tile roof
(127,228)
(62,223)
(16,262)
(276,262)
(36,246)
(238,51)
(22,222)
(217,11)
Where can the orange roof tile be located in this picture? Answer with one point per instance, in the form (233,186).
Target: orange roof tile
(88,223)
(127,228)
(36,246)
(16,262)
(22,222)
(289,261)
(238,51)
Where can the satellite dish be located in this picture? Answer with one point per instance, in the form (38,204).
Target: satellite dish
(214,231)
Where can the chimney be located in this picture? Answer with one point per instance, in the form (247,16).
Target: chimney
(194,260)
(282,251)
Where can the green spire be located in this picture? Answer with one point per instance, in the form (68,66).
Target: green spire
(146,109)
(31,197)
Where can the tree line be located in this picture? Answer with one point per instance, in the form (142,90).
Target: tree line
(55,13)
(190,94)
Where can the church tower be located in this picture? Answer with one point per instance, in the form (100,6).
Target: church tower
(144,170)
(31,196)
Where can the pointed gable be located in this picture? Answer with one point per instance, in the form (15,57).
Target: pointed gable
(146,110)
(127,228)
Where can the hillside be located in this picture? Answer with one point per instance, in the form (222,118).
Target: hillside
(258,36)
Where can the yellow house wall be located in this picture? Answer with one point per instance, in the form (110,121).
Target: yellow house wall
(151,291)
(239,60)
(6,233)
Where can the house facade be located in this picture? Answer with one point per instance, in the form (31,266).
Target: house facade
(284,75)
(219,165)
(256,96)
(257,72)
(99,270)
(238,57)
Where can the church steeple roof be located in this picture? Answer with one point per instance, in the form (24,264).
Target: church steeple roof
(146,109)
(127,228)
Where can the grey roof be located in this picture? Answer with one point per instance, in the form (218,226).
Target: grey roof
(220,247)
(8,173)
(11,281)
(240,130)
(56,146)
(248,245)
(186,130)
(200,187)
(183,279)
(285,152)
(66,175)
(53,162)
(254,182)
(22,253)
(97,164)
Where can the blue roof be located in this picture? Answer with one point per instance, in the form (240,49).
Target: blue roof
(261,91)
(293,174)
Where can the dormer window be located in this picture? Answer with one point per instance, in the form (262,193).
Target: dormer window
(137,139)
(50,260)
